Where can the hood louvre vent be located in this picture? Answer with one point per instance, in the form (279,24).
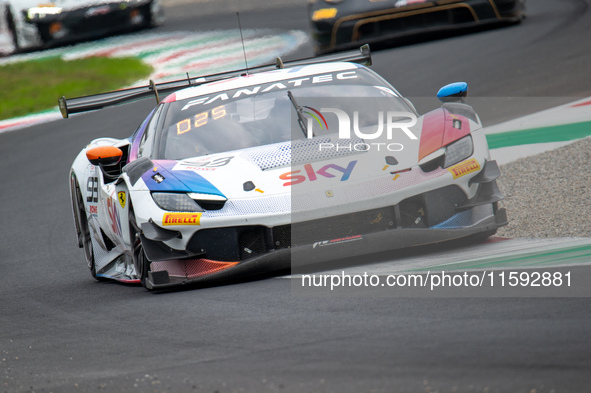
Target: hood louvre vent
(301,152)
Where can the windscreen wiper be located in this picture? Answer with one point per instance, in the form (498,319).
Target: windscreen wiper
(300,113)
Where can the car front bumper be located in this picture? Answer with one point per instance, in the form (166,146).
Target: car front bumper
(305,255)
(439,215)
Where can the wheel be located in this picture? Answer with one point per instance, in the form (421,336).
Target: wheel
(155,15)
(140,261)
(82,230)
(12,29)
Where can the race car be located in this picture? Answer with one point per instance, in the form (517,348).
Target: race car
(341,24)
(33,24)
(260,170)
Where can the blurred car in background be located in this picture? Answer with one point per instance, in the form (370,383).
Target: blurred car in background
(32,24)
(341,24)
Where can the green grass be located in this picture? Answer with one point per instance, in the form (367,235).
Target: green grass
(34,86)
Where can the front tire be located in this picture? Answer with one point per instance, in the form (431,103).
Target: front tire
(141,262)
(156,15)
(12,28)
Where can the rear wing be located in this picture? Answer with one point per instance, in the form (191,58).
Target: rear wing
(102,100)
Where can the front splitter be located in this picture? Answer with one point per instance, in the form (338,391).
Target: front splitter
(310,254)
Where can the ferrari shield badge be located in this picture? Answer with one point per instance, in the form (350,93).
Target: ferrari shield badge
(121,198)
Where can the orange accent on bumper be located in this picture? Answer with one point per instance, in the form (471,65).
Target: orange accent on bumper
(192,268)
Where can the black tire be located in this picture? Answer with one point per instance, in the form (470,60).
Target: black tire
(151,18)
(12,28)
(84,237)
(141,262)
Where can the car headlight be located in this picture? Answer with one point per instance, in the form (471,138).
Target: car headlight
(41,12)
(458,151)
(176,202)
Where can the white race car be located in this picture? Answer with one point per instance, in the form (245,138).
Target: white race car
(33,24)
(246,172)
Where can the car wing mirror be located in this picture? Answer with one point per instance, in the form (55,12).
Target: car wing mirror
(454,92)
(104,155)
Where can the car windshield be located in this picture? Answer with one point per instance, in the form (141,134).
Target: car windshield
(261,115)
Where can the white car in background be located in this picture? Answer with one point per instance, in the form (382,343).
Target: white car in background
(34,24)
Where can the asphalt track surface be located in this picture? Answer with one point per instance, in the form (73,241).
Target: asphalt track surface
(62,332)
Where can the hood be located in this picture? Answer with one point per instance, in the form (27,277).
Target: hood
(273,169)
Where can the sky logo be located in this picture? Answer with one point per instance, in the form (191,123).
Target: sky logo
(311,174)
